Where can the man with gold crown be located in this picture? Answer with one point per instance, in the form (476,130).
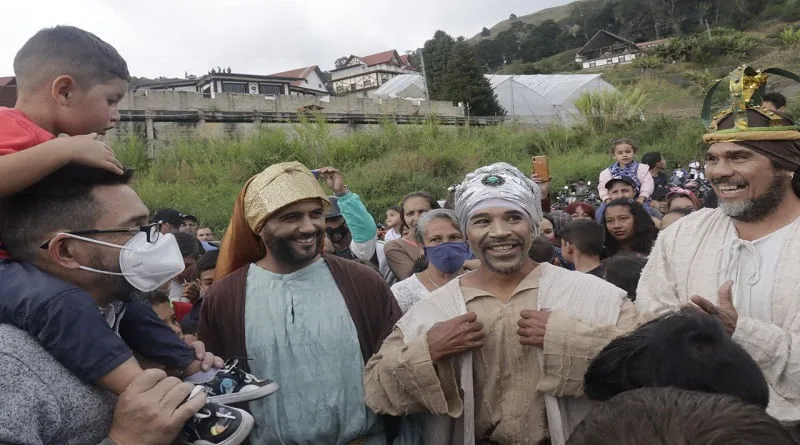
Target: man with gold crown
(740,262)
(308,320)
(481,359)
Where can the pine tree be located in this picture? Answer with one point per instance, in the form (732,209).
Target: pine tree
(464,82)
(435,56)
(485,32)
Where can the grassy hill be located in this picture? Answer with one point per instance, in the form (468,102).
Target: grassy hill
(556,13)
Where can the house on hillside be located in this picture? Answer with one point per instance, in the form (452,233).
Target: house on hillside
(310,80)
(605,49)
(8,91)
(213,83)
(362,76)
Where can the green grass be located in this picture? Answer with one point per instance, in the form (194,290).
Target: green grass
(203,177)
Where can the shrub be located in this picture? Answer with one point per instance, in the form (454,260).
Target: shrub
(790,36)
(604,109)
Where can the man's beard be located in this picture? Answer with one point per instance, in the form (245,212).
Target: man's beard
(116,287)
(758,208)
(283,251)
(510,269)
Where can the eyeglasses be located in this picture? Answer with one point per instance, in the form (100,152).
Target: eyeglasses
(152,231)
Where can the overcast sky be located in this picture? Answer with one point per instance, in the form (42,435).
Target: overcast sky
(170,37)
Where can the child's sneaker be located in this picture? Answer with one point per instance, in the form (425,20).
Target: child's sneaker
(233,385)
(218,425)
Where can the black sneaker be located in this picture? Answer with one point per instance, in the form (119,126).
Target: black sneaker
(233,385)
(218,425)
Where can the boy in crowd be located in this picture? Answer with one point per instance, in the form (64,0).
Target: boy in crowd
(70,82)
(159,300)
(582,244)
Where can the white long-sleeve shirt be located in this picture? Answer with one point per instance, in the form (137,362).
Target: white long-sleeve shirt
(698,254)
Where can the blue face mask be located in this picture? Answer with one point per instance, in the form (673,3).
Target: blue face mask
(448,257)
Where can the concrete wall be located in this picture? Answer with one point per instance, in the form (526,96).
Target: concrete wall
(177,101)
(163,135)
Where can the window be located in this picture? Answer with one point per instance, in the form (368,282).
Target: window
(270,89)
(610,61)
(234,87)
(592,64)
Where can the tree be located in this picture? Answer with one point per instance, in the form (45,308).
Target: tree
(340,62)
(512,17)
(466,83)
(435,54)
(485,32)
(488,55)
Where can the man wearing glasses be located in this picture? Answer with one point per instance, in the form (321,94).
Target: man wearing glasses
(80,241)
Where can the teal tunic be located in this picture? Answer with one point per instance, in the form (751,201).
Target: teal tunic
(300,334)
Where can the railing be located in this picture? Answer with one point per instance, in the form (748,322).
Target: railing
(285,117)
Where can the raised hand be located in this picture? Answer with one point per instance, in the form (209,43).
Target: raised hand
(454,336)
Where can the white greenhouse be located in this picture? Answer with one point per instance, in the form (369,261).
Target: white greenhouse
(545,99)
(404,86)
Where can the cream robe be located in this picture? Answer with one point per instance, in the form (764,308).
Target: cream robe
(693,257)
(447,391)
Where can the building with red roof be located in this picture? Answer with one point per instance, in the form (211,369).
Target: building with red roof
(362,76)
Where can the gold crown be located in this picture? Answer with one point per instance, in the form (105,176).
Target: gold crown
(746,87)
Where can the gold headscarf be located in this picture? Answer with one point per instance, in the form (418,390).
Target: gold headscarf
(263,195)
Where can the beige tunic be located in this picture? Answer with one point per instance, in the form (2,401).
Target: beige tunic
(508,409)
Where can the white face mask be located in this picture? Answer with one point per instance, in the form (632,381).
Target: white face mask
(146,266)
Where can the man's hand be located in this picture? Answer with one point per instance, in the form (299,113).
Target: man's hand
(151,410)
(334,179)
(191,291)
(454,336)
(544,186)
(205,360)
(87,150)
(725,311)
(641,199)
(532,327)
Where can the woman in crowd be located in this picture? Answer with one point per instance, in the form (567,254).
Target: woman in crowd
(401,254)
(445,250)
(679,198)
(580,210)
(548,227)
(628,228)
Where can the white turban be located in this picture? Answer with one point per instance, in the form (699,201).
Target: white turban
(495,185)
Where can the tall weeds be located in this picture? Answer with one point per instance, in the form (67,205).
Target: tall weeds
(203,177)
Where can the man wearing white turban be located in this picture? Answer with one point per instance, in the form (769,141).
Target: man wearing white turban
(475,355)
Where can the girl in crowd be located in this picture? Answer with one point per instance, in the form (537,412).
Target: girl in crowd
(394,223)
(580,210)
(401,254)
(445,250)
(628,228)
(624,151)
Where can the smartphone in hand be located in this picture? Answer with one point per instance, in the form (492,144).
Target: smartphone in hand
(541,168)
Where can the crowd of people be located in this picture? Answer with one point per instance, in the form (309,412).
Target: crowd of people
(487,317)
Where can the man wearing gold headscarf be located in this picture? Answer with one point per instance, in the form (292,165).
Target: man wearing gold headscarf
(308,320)
(751,240)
